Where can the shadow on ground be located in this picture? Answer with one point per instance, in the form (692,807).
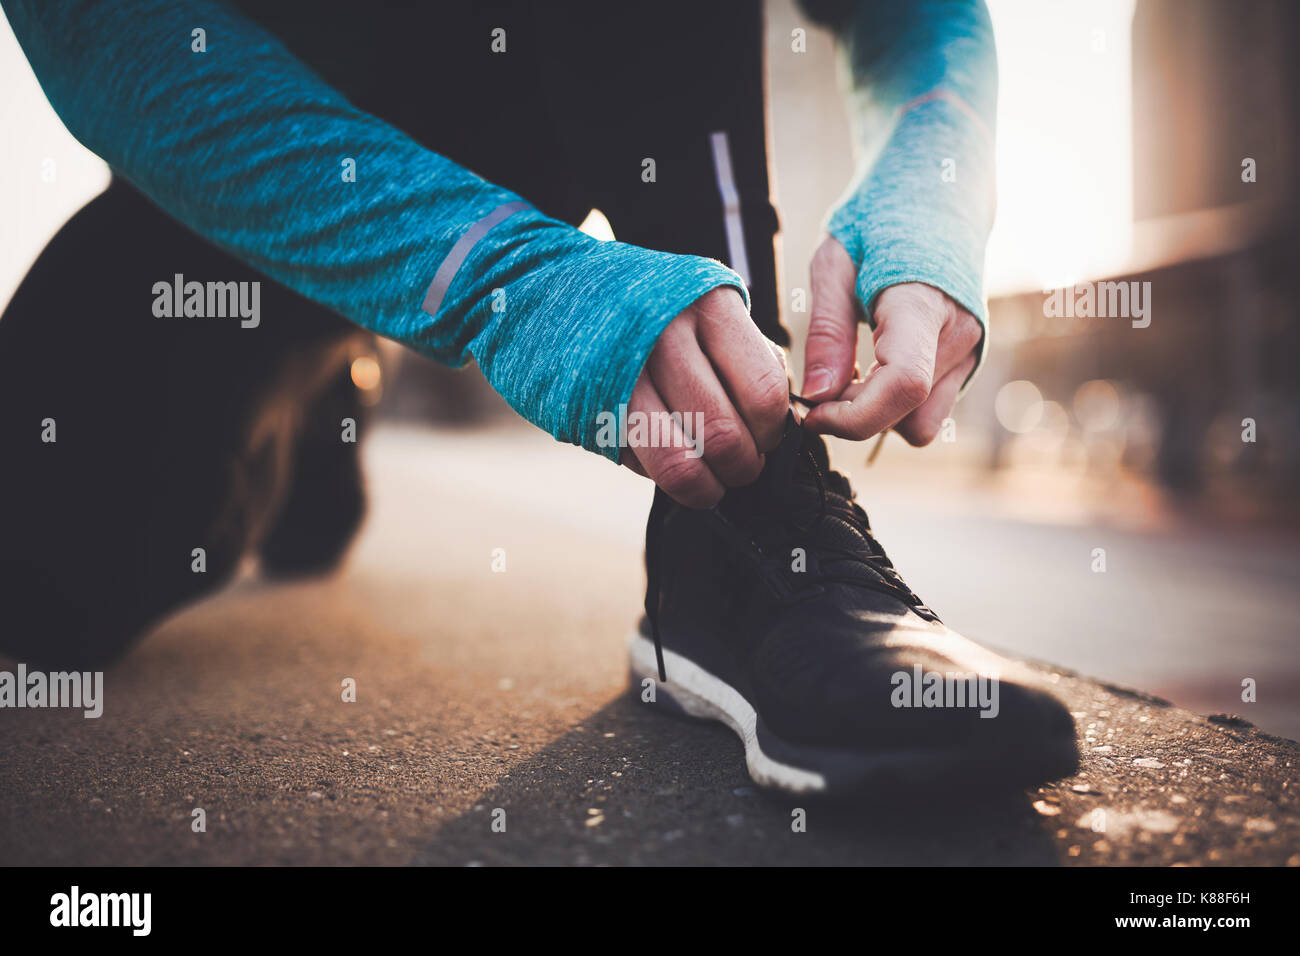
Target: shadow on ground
(1157,786)
(630,787)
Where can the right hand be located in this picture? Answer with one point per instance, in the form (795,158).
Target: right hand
(728,381)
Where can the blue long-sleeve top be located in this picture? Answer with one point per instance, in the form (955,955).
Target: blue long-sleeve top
(241,144)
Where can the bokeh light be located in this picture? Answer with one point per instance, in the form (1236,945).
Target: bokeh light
(366,374)
(1019,406)
(1097,405)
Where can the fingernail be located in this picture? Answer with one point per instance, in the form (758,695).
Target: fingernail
(817,380)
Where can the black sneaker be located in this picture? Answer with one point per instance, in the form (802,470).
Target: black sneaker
(778,614)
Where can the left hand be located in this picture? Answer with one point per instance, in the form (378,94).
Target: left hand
(925,345)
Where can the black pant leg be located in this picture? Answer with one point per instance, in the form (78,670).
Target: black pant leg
(171,434)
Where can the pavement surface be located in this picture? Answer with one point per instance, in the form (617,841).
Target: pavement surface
(480,691)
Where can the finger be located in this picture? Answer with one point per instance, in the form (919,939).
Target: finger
(832,343)
(672,465)
(750,366)
(781,356)
(687,383)
(960,336)
(922,425)
(899,382)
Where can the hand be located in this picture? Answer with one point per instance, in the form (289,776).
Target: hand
(728,382)
(925,346)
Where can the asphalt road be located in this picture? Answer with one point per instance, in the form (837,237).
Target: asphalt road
(479,691)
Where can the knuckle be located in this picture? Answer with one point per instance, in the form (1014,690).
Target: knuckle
(780,356)
(770,394)
(971,331)
(725,440)
(675,333)
(683,478)
(912,384)
(719,305)
(826,332)
(720,296)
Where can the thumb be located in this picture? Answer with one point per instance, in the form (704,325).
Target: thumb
(831,349)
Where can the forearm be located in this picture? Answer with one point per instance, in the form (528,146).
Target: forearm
(924,90)
(245,145)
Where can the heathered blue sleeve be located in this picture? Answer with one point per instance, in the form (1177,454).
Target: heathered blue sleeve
(924,91)
(244,145)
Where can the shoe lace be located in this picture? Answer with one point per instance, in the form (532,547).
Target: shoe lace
(654,561)
(839,503)
(887,579)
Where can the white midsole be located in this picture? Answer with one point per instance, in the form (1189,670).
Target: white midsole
(701,694)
